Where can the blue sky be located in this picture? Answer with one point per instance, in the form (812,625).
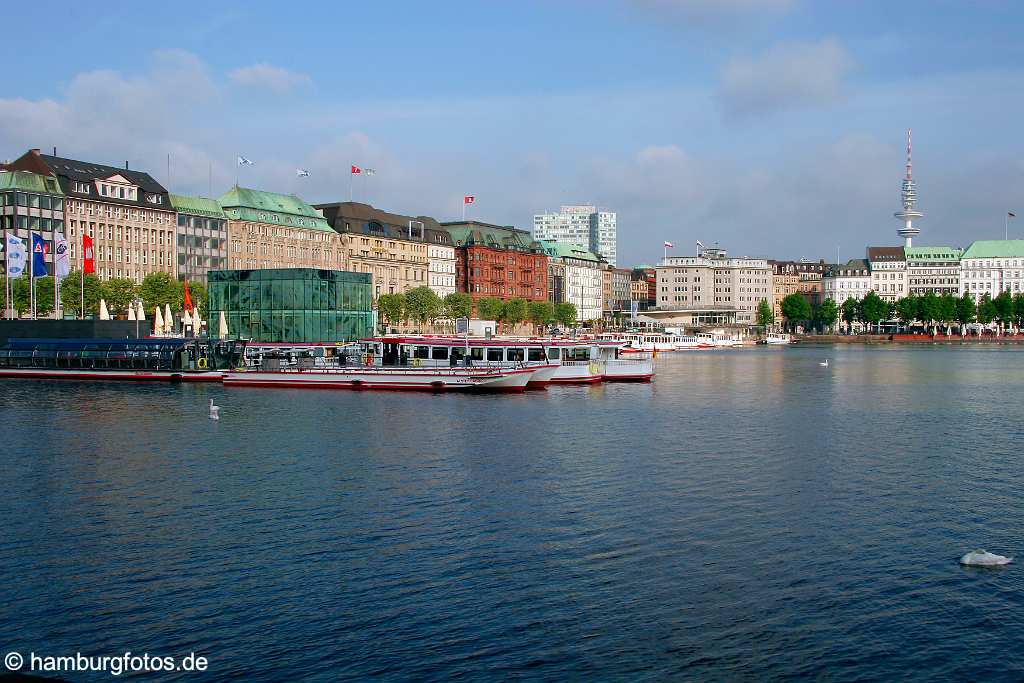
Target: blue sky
(774,127)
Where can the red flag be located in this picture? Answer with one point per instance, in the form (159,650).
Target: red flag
(88,265)
(188,298)
(468,199)
(356,169)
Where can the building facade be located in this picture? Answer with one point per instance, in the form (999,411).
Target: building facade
(791,277)
(888,267)
(30,203)
(584,281)
(393,248)
(202,237)
(714,283)
(583,226)
(992,266)
(647,276)
(127,213)
(849,281)
(622,279)
(441,262)
(269,230)
(933,269)
(498,261)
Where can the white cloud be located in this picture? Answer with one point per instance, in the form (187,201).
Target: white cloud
(787,76)
(265,75)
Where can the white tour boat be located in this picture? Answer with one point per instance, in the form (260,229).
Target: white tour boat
(403,379)
(777,338)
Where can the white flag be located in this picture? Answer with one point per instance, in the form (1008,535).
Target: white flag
(369,171)
(242,161)
(15,256)
(302,173)
(60,255)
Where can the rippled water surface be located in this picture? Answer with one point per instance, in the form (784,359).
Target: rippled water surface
(749,515)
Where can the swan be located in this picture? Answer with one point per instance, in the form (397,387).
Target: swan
(983,558)
(824,363)
(214,411)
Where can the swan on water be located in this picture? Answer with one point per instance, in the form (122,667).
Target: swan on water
(824,363)
(214,411)
(983,558)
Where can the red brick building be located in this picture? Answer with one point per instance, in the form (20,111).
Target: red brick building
(498,261)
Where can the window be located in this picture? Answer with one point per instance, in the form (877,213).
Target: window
(494,355)
(439,353)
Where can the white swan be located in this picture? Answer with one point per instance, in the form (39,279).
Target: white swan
(214,411)
(983,558)
(824,364)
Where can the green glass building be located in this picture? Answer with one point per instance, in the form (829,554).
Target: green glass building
(291,305)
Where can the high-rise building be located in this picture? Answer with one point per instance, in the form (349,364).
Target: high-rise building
(585,226)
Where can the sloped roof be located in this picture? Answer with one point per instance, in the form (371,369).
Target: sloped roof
(29,182)
(259,206)
(886,254)
(197,206)
(995,249)
(562,250)
(357,217)
(490,235)
(933,253)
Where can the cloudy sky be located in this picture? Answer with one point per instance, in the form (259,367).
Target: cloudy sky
(773,127)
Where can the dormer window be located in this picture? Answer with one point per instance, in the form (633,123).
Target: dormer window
(154,199)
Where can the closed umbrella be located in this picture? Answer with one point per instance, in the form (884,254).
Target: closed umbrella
(168,319)
(141,313)
(186,320)
(131,313)
(104,313)
(223,331)
(197,322)
(158,322)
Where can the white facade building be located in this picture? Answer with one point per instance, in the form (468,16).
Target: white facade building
(440,263)
(992,266)
(712,281)
(583,279)
(850,281)
(585,226)
(888,272)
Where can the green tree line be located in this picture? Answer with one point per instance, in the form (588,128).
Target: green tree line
(933,310)
(422,305)
(156,289)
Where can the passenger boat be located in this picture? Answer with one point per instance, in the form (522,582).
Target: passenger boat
(407,379)
(139,360)
(641,342)
(718,340)
(776,338)
(692,342)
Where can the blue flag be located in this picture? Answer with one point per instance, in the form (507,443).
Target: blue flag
(40,249)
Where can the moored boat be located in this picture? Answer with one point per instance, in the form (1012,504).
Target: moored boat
(776,338)
(407,379)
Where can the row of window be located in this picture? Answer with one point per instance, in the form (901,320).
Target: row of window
(32,201)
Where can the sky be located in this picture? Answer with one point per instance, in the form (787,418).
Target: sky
(775,128)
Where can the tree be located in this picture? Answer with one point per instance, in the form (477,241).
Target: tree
(1018,310)
(928,309)
(513,312)
(966,310)
(851,310)
(159,289)
(565,314)
(391,308)
(540,313)
(457,305)
(422,304)
(907,309)
(489,308)
(873,308)
(986,309)
(44,295)
(71,293)
(828,313)
(119,293)
(795,309)
(1004,307)
(197,292)
(765,314)
(947,310)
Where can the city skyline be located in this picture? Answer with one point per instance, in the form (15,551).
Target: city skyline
(772,127)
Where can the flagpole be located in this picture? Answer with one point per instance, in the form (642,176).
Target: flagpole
(56,280)
(81,280)
(7,273)
(32,272)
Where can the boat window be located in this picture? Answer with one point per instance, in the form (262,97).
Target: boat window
(476,353)
(535,354)
(421,352)
(494,354)
(554,352)
(439,353)
(516,354)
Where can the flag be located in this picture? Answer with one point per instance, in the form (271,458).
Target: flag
(668,245)
(40,250)
(356,169)
(15,253)
(468,199)
(302,173)
(242,161)
(61,260)
(1011,214)
(369,171)
(88,265)
(188,298)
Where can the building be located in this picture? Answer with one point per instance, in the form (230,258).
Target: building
(30,203)
(607,291)
(271,230)
(909,211)
(294,305)
(647,276)
(441,268)
(621,294)
(992,266)
(638,291)
(583,279)
(791,277)
(849,281)
(583,226)
(717,287)
(933,269)
(127,213)
(202,237)
(498,261)
(888,266)
(391,247)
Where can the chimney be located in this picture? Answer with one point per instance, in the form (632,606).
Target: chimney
(54,151)
(34,151)
(126,164)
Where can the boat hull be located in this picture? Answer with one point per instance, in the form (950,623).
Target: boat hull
(629,370)
(114,375)
(389,380)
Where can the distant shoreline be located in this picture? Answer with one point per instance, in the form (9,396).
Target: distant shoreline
(908,339)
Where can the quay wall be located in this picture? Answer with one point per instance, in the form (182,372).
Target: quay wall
(908,339)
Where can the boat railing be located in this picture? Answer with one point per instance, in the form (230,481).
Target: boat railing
(578,363)
(352,369)
(629,361)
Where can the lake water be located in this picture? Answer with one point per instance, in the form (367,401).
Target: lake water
(749,515)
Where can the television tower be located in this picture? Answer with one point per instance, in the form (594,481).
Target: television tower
(909,194)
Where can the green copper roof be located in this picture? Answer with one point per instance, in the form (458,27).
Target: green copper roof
(197,206)
(995,249)
(485,234)
(29,182)
(244,204)
(933,253)
(560,250)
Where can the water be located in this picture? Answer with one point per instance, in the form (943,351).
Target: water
(750,515)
